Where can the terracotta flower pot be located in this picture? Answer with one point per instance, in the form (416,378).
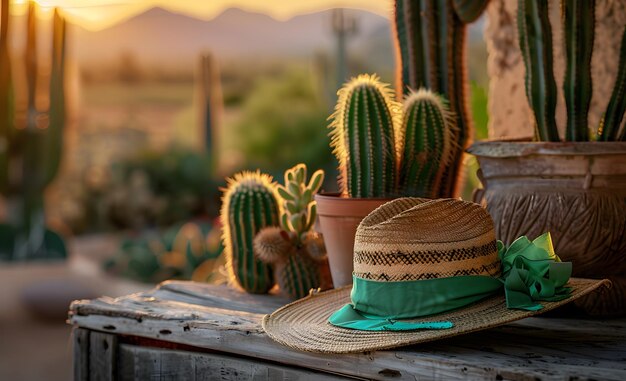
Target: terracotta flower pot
(577,192)
(339,217)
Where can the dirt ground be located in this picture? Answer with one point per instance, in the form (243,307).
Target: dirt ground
(32,347)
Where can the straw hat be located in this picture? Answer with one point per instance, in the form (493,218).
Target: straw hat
(426,270)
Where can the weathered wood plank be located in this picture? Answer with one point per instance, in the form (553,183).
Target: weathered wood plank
(532,348)
(221,297)
(81,354)
(140,363)
(102,356)
(481,355)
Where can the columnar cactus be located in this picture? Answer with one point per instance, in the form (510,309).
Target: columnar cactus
(612,119)
(363,138)
(429,144)
(578,28)
(210,102)
(296,252)
(431,41)
(249,204)
(535,40)
(30,152)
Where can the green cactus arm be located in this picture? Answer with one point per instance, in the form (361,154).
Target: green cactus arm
(614,114)
(284,221)
(312,215)
(284,193)
(578,17)
(57,114)
(469,10)
(535,40)
(300,173)
(457,96)
(411,43)
(316,181)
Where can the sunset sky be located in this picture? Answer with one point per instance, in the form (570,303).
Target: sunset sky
(100,14)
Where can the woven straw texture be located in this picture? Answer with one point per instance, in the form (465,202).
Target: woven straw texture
(303,325)
(415,238)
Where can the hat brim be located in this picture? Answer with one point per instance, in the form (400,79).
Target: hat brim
(304,325)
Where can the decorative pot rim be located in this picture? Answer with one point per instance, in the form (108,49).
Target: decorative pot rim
(333,204)
(504,149)
(336,196)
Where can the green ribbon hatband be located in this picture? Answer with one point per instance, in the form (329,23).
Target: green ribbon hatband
(531,272)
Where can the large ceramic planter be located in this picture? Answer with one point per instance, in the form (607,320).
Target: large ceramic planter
(577,192)
(339,217)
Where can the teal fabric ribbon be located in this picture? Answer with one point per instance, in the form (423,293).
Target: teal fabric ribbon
(531,272)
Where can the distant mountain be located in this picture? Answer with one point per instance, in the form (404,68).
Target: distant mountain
(169,39)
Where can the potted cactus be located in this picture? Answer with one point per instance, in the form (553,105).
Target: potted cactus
(385,150)
(295,251)
(267,233)
(574,188)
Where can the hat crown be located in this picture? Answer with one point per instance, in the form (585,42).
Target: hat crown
(415,238)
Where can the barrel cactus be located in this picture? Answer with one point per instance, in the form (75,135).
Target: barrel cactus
(363,138)
(296,252)
(249,204)
(429,143)
(366,122)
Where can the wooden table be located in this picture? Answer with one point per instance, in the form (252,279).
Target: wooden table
(191,331)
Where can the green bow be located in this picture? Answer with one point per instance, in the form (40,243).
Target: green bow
(531,272)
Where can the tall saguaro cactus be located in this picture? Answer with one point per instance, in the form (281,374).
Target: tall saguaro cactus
(431,42)
(31,153)
(364,139)
(210,102)
(6,96)
(249,204)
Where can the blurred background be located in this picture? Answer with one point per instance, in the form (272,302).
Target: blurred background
(120,121)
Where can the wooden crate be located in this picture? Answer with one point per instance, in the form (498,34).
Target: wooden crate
(192,331)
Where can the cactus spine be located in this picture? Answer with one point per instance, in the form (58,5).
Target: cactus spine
(431,42)
(248,205)
(612,119)
(294,249)
(30,153)
(363,138)
(535,40)
(578,18)
(429,144)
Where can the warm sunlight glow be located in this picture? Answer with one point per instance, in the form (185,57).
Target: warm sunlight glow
(100,14)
